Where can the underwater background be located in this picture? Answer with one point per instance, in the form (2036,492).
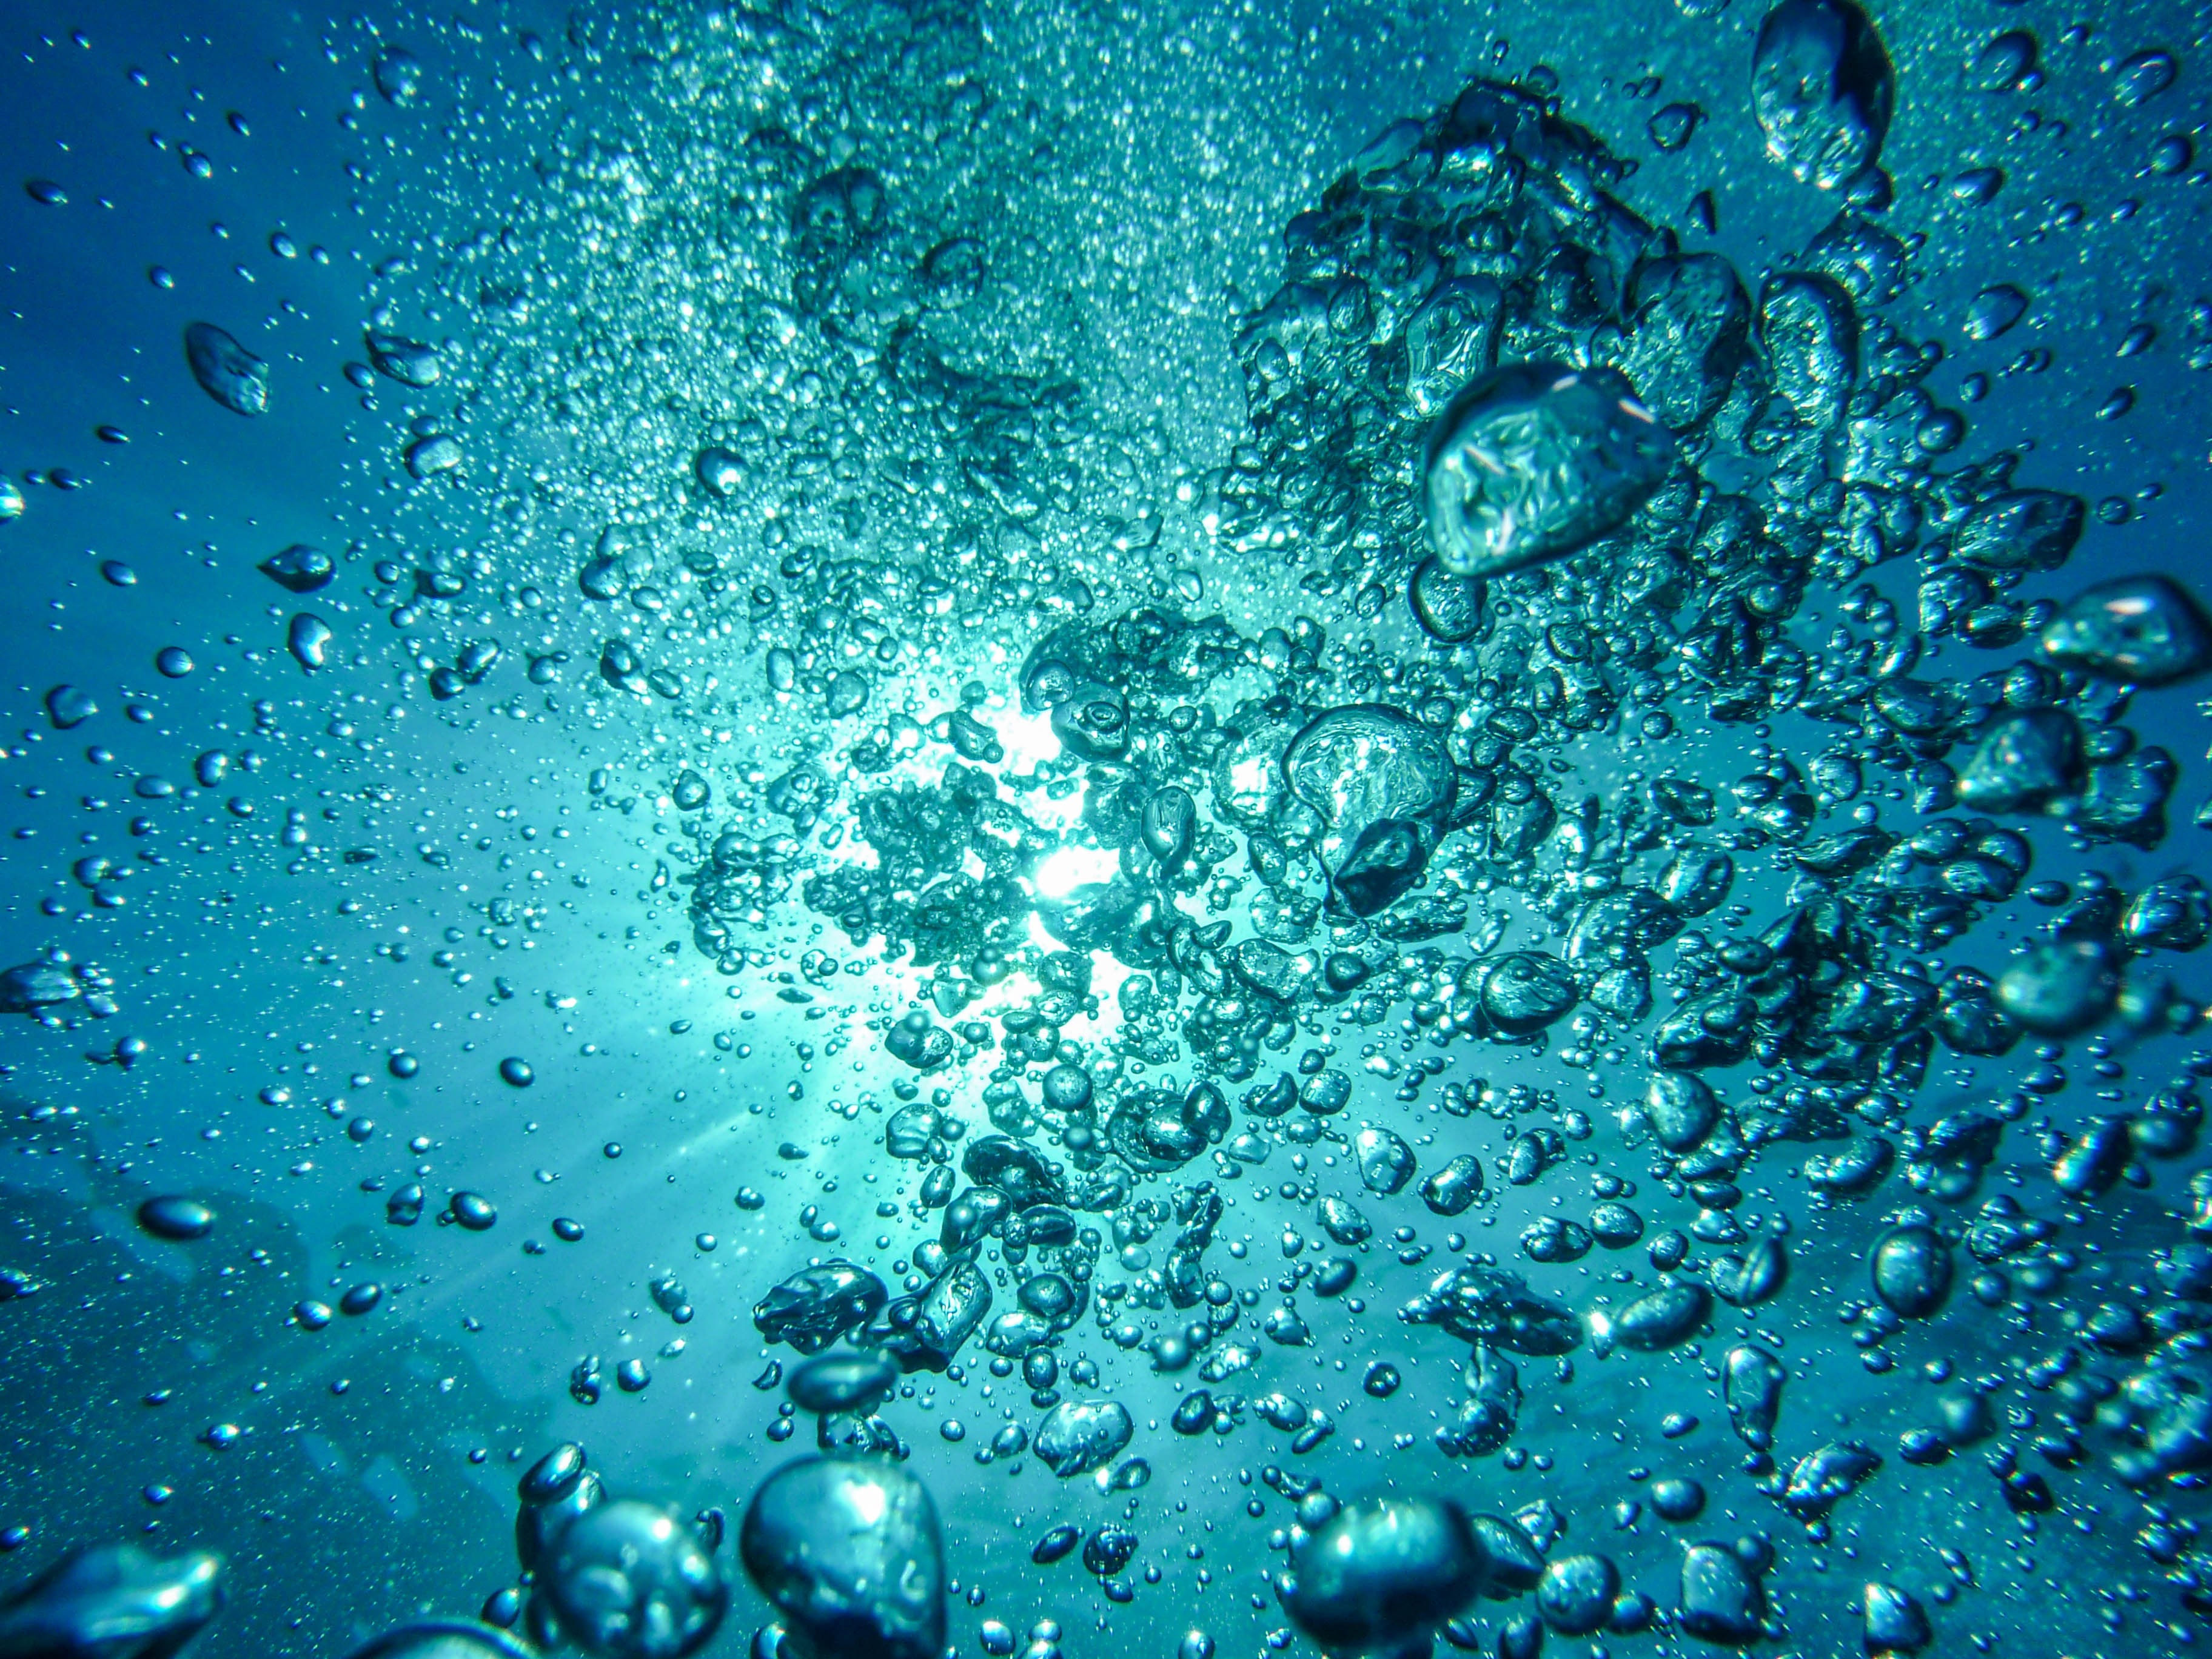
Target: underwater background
(1399,803)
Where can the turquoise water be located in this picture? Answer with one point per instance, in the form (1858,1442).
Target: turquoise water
(1388,799)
